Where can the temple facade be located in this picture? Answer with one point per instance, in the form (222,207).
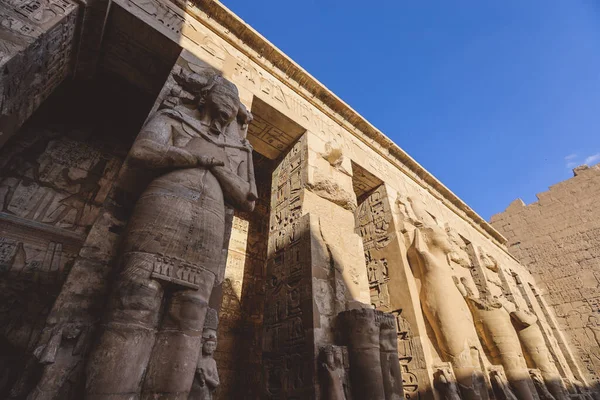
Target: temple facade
(188,214)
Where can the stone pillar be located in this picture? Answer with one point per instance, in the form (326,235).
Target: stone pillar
(315,267)
(37,53)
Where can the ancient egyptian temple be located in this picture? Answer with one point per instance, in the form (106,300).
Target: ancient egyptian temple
(189,214)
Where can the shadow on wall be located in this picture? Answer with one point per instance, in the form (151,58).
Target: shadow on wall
(54,176)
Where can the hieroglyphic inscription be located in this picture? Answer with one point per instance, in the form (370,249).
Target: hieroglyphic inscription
(54,177)
(379,274)
(42,31)
(293,105)
(373,218)
(288,182)
(287,342)
(239,354)
(274,133)
(412,358)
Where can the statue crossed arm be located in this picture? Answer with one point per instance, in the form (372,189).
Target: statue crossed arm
(163,144)
(171,253)
(154,149)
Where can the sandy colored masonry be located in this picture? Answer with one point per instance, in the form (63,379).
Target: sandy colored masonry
(558,239)
(188,214)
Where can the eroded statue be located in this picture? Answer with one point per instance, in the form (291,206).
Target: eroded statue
(540,385)
(534,345)
(500,385)
(171,253)
(500,338)
(207,376)
(445,308)
(372,341)
(334,373)
(445,382)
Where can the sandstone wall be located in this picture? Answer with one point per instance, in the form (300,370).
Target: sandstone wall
(345,206)
(558,239)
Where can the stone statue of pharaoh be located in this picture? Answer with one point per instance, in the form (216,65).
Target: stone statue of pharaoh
(445,308)
(171,253)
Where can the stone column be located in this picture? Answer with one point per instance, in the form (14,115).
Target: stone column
(315,267)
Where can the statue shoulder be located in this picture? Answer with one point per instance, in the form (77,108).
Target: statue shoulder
(161,119)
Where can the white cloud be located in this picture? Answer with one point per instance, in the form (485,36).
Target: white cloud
(573,160)
(593,159)
(570,157)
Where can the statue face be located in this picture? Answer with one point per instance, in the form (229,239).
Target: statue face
(440,239)
(222,108)
(209,347)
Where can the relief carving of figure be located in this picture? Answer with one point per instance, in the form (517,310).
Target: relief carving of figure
(445,308)
(171,252)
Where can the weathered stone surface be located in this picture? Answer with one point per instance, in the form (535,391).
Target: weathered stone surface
(174,240)
(556,238)
(37,40)
(346,224)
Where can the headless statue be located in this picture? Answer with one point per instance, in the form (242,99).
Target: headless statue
(172,250)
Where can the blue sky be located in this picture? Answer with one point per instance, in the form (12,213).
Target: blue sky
(498,99)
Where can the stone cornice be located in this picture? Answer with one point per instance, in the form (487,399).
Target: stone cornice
(226,24)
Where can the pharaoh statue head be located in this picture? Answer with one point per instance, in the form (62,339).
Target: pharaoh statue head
(209,333)
(215,97)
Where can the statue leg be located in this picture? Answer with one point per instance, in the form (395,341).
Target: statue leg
(175,355)
(116,367)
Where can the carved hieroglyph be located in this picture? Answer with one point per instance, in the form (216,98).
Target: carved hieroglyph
(288,347)
(36,46)
(377,228)
(175,240)
(373,218)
